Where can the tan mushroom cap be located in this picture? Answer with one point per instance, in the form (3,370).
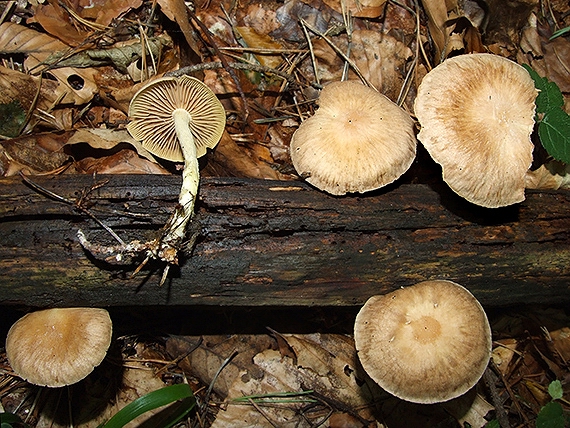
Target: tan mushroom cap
(58,347)
(151,121)
(476,114)
(427,343)
(358,140)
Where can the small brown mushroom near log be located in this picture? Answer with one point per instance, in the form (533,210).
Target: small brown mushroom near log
(427,343)
(58,347)
(357,141)
(476,113)
(177,119)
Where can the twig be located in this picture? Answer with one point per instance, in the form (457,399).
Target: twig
(490,379)
(236,65)
(216,375)
(260,410)
(77,205)
(341,53)
(223,60)
(313,57)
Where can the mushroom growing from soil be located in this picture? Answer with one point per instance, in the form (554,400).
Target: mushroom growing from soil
(427,343)
(357,141)
(177,119)
(58,347)
(476,113)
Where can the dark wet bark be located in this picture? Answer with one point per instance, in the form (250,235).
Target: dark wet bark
(278,243)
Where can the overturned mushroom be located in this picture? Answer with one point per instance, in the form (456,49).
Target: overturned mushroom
(476,114)
(427,343)
(358,140)
(58,347)
(177,119)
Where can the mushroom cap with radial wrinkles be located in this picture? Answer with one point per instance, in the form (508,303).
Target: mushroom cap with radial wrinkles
(427,343)
(152,123)
(357,141)
(58,347)
(476,113)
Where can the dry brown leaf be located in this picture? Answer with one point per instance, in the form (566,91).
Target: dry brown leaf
(94,411)
(560,343)
(59,23)
(326,364)
(209,356)
(551,176)
(259,17)
(557,59)
(123,162)
(380,58)
(15,85)
(359,8)
(503,353)
(103,12)
(253,39)
(436,11)
(530,39)
(176,11)
(76,86)
(16,38)
(229,159)
(100,138)
(35,154)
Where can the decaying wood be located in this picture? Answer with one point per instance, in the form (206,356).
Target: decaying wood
(278,243)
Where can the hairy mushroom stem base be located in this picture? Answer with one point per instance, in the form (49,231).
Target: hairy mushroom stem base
(176,227)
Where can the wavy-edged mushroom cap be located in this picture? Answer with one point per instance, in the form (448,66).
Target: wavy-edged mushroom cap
(476,113)
(152,122)
(427,343)
(58,347)
(358,140)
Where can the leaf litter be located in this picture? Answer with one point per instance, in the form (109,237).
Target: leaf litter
(67,75)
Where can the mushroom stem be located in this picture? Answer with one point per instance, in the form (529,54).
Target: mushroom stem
(176,226)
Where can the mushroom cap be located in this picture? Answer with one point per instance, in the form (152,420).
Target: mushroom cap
(151,121)
(358,140)
(427,343)
(476,113)
(58,347)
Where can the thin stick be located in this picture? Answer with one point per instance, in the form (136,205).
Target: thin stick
(313,57)
(59,198)
(341,53)
(236,65)
(223,60)
(266,51)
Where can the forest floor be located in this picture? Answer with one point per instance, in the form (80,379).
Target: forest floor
(69,70)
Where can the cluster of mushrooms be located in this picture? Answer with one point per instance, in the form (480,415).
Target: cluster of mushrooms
(476,114)
(435,331)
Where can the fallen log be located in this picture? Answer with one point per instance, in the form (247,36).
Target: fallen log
(268,243)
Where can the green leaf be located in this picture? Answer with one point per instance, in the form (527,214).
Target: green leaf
(555,389)
(549,95)
(560,32)
(154,400)
(10,420)
(554,133)
(550,416)
(494,423)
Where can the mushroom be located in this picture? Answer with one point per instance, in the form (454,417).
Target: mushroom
(58,347)
(177,119)
(427,343)
(476,113)
(358,140)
